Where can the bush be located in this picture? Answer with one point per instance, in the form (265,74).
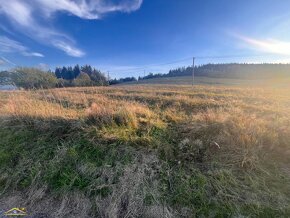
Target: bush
(32,78)
(63,83)
(83,80)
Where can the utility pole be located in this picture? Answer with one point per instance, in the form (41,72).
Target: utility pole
(193,71)
(108,77)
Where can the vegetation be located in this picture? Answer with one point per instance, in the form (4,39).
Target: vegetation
(88,76)
(82,79)
(122,80)
(237,71)
(199,80)
(34,78)
(30,78)
(85,76)
(229,71)
(147,151)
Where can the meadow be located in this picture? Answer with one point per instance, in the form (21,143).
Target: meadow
(274,82)
(146,151)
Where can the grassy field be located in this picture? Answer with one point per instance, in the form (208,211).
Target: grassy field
(146,151)
(218,81)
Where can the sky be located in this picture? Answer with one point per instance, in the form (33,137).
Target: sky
(133,37)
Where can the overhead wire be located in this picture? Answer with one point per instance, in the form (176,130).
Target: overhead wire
(128,70)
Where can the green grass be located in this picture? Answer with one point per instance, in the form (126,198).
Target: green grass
(171,151)
(30,158)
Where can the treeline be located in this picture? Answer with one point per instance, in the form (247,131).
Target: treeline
(34,78)
(244,71)
(238,71)
(134,79)
(122,80)
(80,76)
(232,70)
(86,75)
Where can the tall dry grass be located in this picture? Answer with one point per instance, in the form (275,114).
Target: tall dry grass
(238,139)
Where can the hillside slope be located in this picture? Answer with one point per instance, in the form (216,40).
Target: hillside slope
(198,80)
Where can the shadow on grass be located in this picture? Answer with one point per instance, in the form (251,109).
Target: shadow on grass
(61,156)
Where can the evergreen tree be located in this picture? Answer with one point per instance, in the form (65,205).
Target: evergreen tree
(58,73)
(98,77)
(64,73)
(70,73)
(87,69)
(76,71)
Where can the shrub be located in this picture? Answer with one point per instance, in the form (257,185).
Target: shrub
(30,78)
(83,80)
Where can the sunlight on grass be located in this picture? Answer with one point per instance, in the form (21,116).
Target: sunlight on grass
(202,151)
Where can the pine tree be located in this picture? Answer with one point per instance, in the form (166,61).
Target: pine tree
(64,73)
(87,69)
(58,73)
(70,73)
(76,71)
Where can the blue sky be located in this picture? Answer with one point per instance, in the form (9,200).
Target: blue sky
(128,37)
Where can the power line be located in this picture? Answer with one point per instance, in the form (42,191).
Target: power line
(231,56)
(152,65)
(129,70)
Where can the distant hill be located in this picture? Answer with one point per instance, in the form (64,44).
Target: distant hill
(226,74)
(187,80)
(239,71)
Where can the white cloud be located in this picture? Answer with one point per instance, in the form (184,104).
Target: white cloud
(35,54)
(20,12)
(32,17)
(89,9)
(8,45)
(74,52)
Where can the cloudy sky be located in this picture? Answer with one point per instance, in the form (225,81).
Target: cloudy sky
(127,37)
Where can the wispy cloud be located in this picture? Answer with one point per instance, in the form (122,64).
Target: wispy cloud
(5,61)
(67,48)
(35,54)
(2,62)
(272,46)
(33,17)
(8,45)
(89,9)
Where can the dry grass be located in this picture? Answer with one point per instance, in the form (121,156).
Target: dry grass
(236,138)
